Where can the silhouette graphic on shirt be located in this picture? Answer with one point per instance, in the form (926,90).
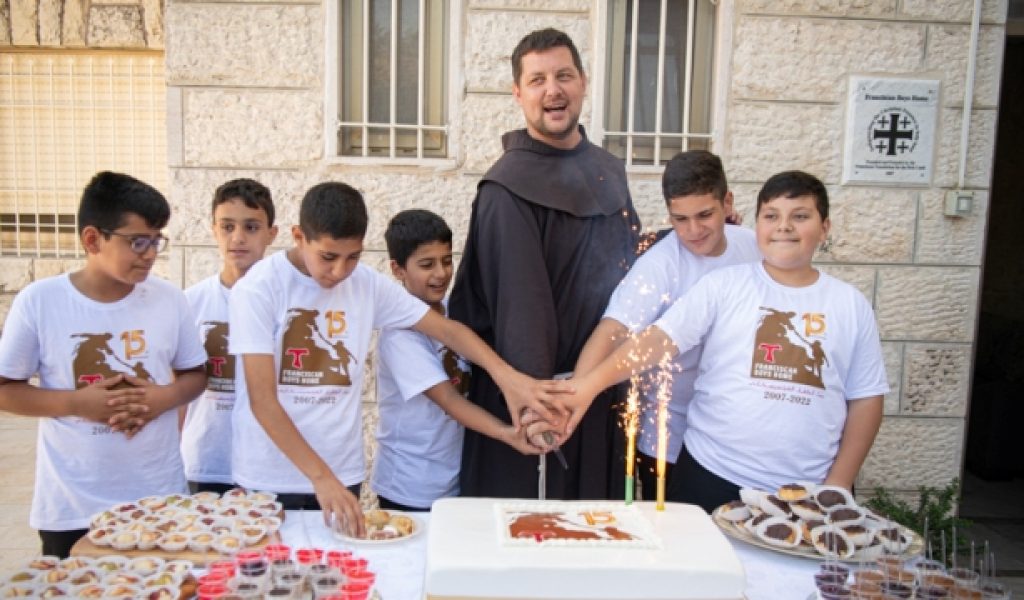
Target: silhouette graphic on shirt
(782,354)
(94,360)
(308,357)
(220,364)
(456,369)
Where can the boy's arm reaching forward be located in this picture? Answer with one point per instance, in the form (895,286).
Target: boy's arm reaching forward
(334,498)
(520,390)
(863,418)
(636,355)
(471,416)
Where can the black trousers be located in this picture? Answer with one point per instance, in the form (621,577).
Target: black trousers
(308,501)
(391,505)
(203,486)
(59,543)
(693,484)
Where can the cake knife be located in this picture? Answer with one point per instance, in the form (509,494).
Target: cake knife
(550,440)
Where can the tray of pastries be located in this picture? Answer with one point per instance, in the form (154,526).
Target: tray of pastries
(814,521)
(110,576)
(199,527)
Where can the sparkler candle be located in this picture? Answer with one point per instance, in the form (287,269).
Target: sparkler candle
(664,395)
(630,422)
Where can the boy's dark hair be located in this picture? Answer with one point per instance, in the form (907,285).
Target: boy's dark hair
(539,41)
(410,229)
(694,172)
(792,184)
(252,193)
(109,197)
(333,209)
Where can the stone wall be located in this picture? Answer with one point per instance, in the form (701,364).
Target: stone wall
(246,98)
(134,24)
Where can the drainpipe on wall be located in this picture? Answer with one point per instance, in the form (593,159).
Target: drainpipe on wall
(960,202)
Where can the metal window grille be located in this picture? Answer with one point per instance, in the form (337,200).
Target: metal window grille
(659,67)
(394,79)
(63,117)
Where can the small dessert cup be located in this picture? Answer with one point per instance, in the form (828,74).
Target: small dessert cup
(993,590)
(325,585)
(965,578)
(932,592)
(834,591)
(866,591)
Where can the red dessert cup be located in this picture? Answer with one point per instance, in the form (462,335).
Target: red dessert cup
(366,577)
(278,552)
(353,564)
(355,591)
(213,577)
(210,591)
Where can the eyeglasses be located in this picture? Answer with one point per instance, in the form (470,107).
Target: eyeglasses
(141,243)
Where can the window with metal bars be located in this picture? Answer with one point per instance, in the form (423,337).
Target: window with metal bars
(659,68)
(65,115)
(393,78)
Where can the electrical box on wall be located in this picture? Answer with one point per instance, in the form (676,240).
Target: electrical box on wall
(959,203)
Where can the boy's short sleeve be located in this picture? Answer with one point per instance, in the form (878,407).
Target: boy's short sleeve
(19,342)
(866,376)
(691,316)
(396,308)
(410,358)
(641,296)
(190,352)
(251,318)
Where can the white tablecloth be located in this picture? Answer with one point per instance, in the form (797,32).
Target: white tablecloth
(400,565)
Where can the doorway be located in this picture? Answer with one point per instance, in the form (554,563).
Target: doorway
(993,486)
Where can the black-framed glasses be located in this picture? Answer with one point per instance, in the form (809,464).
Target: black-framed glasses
(141,243)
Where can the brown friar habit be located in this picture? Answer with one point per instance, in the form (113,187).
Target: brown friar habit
(551,234)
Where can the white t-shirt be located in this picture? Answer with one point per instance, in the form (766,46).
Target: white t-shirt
(658,278)
(419,447)
(70,340)
(206,436)
(779,366)
(319,338)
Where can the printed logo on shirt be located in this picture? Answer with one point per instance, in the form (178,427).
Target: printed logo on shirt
(782,353)
(310,358)
(220,364)
(94,358)
(456,369)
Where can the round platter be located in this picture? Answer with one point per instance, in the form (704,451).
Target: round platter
(417,528)
(737,531)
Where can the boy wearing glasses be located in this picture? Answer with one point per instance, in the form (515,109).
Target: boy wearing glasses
(114,351)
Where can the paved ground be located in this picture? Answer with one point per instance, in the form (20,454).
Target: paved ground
(17,472)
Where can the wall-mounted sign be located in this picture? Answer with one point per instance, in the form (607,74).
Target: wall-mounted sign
(890,130)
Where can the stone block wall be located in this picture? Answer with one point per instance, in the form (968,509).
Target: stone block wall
(134,24)
(246,98)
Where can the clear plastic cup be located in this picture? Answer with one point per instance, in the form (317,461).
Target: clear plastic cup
(965,578)
(993,590)
(866,591)
(211,591)
(326,585)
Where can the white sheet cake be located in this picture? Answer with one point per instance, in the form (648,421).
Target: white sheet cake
(546,550)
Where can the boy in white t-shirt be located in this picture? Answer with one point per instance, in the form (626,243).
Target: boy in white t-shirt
(698,200)
(791,379)
(301,321)
(421,384)
(115,352)
(243,226)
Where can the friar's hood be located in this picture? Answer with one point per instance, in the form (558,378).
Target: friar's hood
(585,181)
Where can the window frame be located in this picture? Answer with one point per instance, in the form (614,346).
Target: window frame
(721,61)
(48,228)
(332,96)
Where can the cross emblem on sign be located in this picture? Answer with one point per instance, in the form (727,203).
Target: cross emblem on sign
(892,133)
